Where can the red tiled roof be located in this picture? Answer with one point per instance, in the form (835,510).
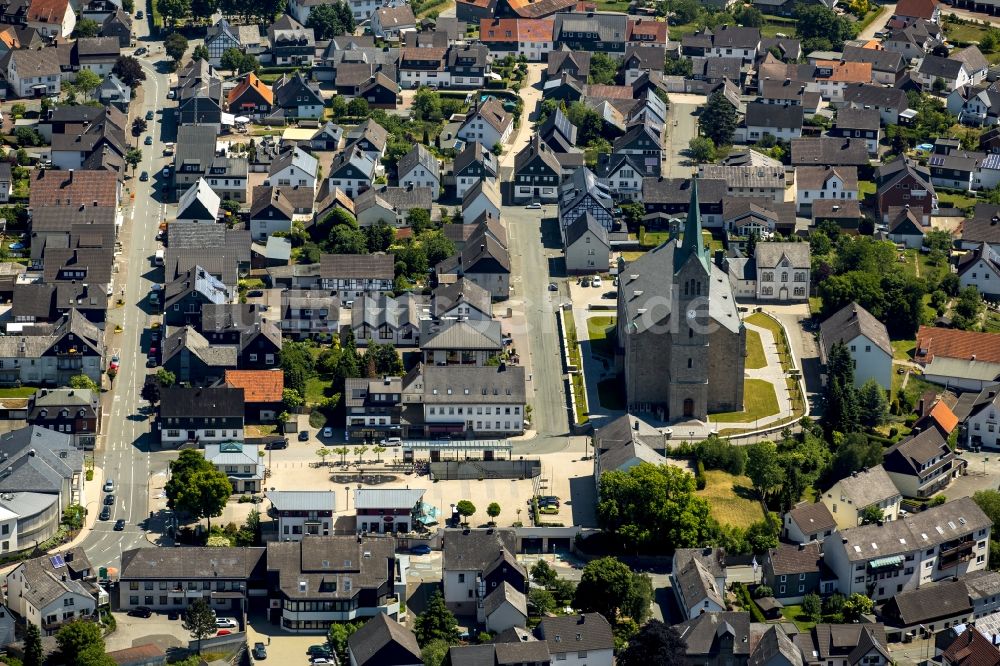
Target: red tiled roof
(923,9)
(971,648)
(48,11)
(647,31)
(944,417)
(73,188)
(539,8)
(852,72)
(258,385)
(952,343)
(498,30)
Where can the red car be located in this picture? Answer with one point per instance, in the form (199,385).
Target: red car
(223,632)
(114,362)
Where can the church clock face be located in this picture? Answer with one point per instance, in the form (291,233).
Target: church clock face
(692,314)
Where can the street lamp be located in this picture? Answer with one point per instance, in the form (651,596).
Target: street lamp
(347,494)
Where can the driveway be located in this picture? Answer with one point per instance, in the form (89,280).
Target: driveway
(878,24)
(803,342)
(682,126)
(531,93)
(132,631)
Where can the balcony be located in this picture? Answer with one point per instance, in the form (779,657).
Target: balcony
(953,555)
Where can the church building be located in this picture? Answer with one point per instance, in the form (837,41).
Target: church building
(680,336)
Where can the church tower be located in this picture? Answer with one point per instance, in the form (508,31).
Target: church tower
(689,360)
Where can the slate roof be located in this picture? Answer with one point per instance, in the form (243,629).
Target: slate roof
(304,568)
(381,309)
(474,549)
(377,633)
(357,266)
(505,593)
(867,487)
(418,155)
(697,584)
(303,500)
(196,562)
(812,518)
(769,254)
(795,558)
(775,647)
(220,401)
(816,177)
(930,602)
(984,225)
(399,199)
(576,633)
(829,150)
(394,18)
(470,334)
(446,295)
(44,583)
(849,322)
(488,385)
(701,633)
(581,225)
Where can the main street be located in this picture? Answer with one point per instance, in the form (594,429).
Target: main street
(124,451)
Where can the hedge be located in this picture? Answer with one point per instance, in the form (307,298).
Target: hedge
(699,477)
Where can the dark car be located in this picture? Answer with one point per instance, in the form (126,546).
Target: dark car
(144,176)
(106,513)
(173,615)
(141,51)
(109,499)
(259,651)
(119,525)
(148,140)
(303,435)
(277,444)
(255,293)
(318,651)
(149,115)
(141,611)
(422,549)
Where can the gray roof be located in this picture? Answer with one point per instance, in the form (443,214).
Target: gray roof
(449,334)
(485,385)
(303,500)
(795,558)
(295,157)
(930,602)
(982,584)
(852,117)
(697,584)
(505,593)
(746,175)
(775,647)
(400,199)
(195,148)
(358,266)
(378,309)
(831,151)
(418,155)
(848,323)
(44,582)
(475,549)
(387,498)
(712,559)
(581,225)
(774,115)
(212,355)
(701,633)
(812,518)
(867,487)
(768,255)
(929,528)
(191,562)
(863,94)
(306,568)
(446,295)
(182,402)
(576,633)
(378,632)
(610,27)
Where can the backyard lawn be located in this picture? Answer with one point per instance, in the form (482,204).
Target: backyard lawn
(902,350)
(598,331)
(731,499)
(955,200)
(318,390)
(18,392)
(759,401)
(755,351)
(964,32)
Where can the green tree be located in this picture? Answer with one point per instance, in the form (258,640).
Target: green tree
(129,70)
(86,82)
(165,378)
(176,44)
(437,247)
(298,366)
(588,122)
(857,605)
(86,28)
(203,10)
(419,220)
(338,636)
(853,453)
(609,587)
(196,487)
(200,53)
(347,240)
(199,620)
(873,406)
(748,16)
(357,107)
(380,235)
(173,11)
(493,511)
(820,28)
(939,242)
(542,601)
(436,623)
(139,126)
(323,452)
(543,574)
(386,359)
(82,642)
(968,308)
(33,654)
(427,105)
(237,61)
(812,607)
(133,157)
(871,515)
(684,11)
(466,509)
(291,399)
(328,21)
(656,643)
(702,149)
(653,507)
(763,469)
(989,502)
(603,68)
(28,136)
(718,121)
(435,653)
(762,536)
(83,382)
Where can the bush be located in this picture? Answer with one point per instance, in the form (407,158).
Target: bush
(718,453)
(743,598)
(90,475)
(762,591)
(699,477)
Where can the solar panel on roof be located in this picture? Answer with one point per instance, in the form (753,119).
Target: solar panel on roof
(57,561)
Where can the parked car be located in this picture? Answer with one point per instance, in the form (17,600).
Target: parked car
(327,432)
(277,444)
(141,611)
(109,499)
(596,281)
(318,651)
(148,140)
(422,549)
(109,486)
(227,623)
(149,115)
(142,50)
(223,632)
(534,205)
(144,176)
(391,441)
(255,293)
(119,525)
(166,172)
(303,435)
(553,287)
(115,361)
(259,651)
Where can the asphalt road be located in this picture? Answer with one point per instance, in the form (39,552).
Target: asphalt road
(124,450)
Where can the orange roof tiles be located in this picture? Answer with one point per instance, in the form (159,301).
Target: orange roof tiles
(944,417)
(539,8)
(851,72)
(48,11)
(923,9)
(536,30)
(610,92)
(647,31)
(251,81)
(513,30)
(258,385)
(952,343)
(73,188)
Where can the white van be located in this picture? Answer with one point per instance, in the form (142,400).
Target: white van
(158,259)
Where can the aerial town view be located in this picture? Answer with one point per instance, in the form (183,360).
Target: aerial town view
(499,332)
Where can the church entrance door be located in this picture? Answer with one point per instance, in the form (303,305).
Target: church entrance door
(688,407)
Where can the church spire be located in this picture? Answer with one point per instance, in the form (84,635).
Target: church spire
(692,244)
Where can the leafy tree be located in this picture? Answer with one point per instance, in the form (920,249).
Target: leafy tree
(419,220)
(857,605)
(718,122)
(151,392)
(237,61)
(173,11)
(297,363)
(427,105)
(139,126)
(33,654)
(86,82)
(437,247)
(83,382)
(609,587)
(563,590)
(603,68)
(339,634)
(674,66)
(176,44)
(762,468)
(196,487)
(466,509)
(379,236)
(542,600)
(873,406)
(323,452)
(702,149)
(203,9)
(652,506)
(200,53)
(357,107)
(386,359)
(493,511)
(939,242)
(133,157)
(129,70)
(436,623)
(968,308)
(545,575)
(748,16)
(166,378)
(28,136)
(291,399)
(684,11)
(328,21)
(871,515)
(82,642)
(656,643)
(812,607)
(338,107)
(762,536)
(86,28)
(588,122)
(199,621)
(853,453)
(434,653)
(821,28)
(989,502)
(347,240)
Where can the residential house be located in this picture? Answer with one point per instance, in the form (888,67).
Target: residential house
(504,608)
(297,97)
(857,123)
(537,173)
(118,24)
(352,276)
(352,171)
(621,174)
(391,205)
(698,579)
(114,92)
(782,271)
(454,395)
(954,168)
(293,168)
(581,194)
(980,268)
(866,339)
(262,392)
(374,408)
(903,183)
(72,411)
(964,360)
(223,36)
(468,65)
(923,464)
(423,66)
(982,227)
(275,208)
(906,228)
(201,415)
(383,642)
(587,247)
(887,66)
(420,169)
(52,590)
(474,163)
(889,102)
(830,151)
(251,97)
(759,181)
(50,354)
(936,544)
(464,342)
(292,44)
(51,18)
(390,22)
(980,427)
(963,68)
(324,579)
(380,92)
(717,638)
(184,296)
(482,200)
(970,648)
(625,442)
(808,521)
(484,261)
(370,137)
(98,54)
(302,512)
(199,96)
(832,77)
(78,145)
(591,31)
(848,498)
(531,38)
(578,640)
(914,41)
(911,11)
(824,182)
(308,313)
(795,570)
(847,644)
(32,73)
(486,123)
(975,105)
(644,141)
(378,317)
(239,462)
(735,42)
(199,203)
(475,562)
(563,60)
(171,579)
